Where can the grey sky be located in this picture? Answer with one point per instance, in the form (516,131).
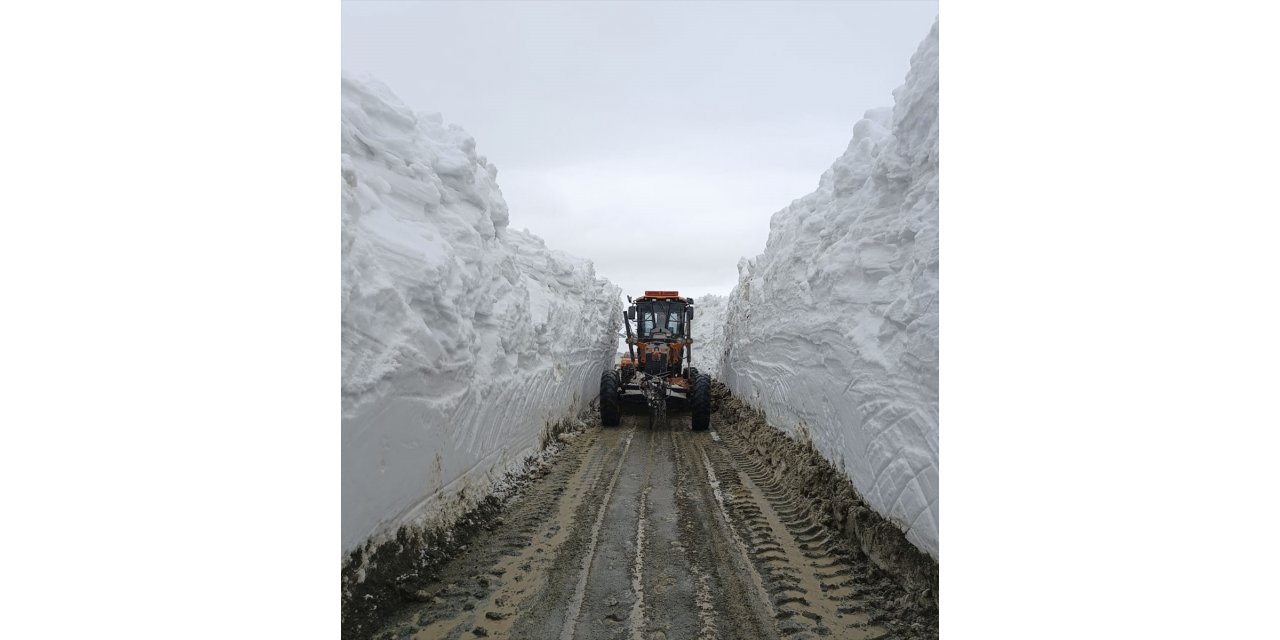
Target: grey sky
(654,139)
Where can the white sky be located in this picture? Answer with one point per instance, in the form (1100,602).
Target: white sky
(655,139)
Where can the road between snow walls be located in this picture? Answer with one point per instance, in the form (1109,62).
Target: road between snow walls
(463,341)
(469,348)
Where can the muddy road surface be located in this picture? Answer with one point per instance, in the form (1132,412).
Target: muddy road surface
(644,533)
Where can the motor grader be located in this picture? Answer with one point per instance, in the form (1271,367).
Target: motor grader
(657,370)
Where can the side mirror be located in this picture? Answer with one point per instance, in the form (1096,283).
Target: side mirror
(631,313)
(690,310)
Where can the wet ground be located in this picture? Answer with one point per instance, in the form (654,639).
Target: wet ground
(658,533)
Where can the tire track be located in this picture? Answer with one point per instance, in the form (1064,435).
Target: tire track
(669,582)
(731,599)
(636,621)
(502,569)
(575,604)
(813,581)
(534,561)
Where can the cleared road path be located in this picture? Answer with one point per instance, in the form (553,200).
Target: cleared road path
(638,533)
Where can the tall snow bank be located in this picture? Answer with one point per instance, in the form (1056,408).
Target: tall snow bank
(833,330)
(461,338)
(708,333)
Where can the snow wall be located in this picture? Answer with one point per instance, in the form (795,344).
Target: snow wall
(461,338)
(708,333)
(833,330)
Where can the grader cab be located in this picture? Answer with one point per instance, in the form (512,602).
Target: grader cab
(657,370)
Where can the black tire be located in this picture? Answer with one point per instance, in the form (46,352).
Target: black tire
(610,411)
(693,374)
(700,402)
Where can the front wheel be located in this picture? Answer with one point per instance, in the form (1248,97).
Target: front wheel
(701,402)
(610,411)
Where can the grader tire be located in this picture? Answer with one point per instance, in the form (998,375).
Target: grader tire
(701,402)
(610,411)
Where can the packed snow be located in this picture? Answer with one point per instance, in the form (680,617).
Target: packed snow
(708,333)
(461,338)
(833,330)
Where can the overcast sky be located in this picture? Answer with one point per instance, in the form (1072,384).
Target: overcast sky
(655,139)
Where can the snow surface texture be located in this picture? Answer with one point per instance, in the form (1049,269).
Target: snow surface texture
(461,339)
(833,330)
(708,333)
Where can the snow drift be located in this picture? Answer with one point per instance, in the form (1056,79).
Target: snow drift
(461,339)
(833,330)
(708,333)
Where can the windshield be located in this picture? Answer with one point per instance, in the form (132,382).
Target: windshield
(660,317)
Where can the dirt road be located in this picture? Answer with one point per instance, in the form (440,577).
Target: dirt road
(640,533)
